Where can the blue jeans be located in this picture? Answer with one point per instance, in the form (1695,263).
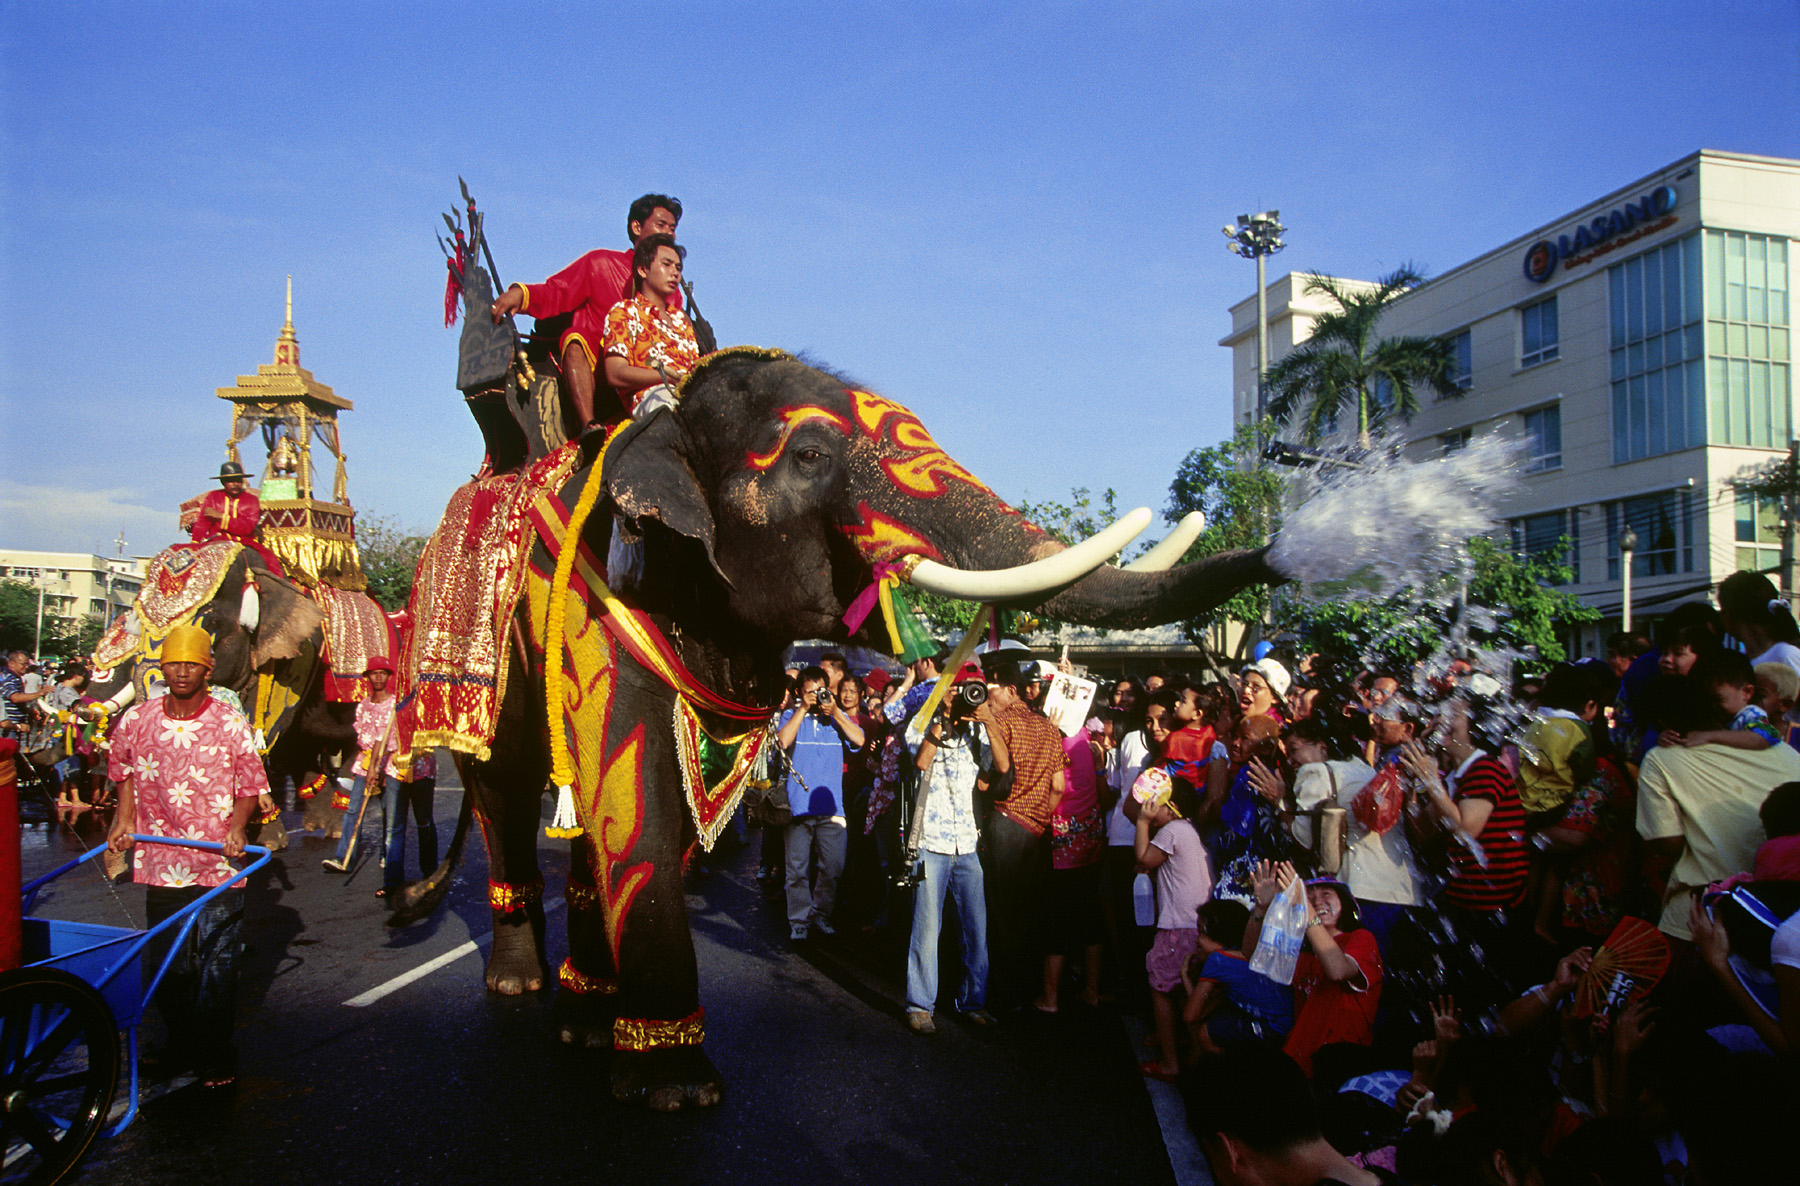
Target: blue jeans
(386,803)
(396,798)
(198,998)
(399,799)
(960,877)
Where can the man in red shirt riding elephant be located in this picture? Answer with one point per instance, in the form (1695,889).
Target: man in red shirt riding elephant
(589,288)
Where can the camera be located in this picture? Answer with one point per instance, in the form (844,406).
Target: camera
(822,697)
(967,698)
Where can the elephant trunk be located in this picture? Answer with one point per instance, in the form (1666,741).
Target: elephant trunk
(1097,594)
(1111,597)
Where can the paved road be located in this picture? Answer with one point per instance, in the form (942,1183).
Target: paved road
(439,1082)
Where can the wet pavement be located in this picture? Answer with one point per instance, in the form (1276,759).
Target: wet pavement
(438,1081)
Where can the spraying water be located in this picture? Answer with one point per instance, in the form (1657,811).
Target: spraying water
(1384,528)
(1390,523)
(1380,525)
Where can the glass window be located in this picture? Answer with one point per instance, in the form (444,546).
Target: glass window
(1462,361)
(1664,534)
(1758,534)
(1554,537)
(1747,340)
(1456,440)
(1538,326)
(1658,403)
(1543,439)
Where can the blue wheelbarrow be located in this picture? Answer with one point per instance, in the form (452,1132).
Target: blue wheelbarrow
(62,1011)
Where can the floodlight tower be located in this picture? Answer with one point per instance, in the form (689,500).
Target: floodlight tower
(1258,236)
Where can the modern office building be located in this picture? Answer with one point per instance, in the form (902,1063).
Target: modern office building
(1640,349)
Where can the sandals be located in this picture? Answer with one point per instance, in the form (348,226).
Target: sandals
(1150,1070)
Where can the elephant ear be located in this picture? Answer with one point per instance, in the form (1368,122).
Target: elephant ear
(648,477)
(289,620)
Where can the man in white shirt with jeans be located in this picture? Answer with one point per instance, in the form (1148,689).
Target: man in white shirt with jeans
(951,754)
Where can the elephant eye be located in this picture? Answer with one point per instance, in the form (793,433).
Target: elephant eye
(809,455)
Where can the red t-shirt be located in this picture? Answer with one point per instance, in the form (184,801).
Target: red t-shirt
(1327,1011)
(1187,752)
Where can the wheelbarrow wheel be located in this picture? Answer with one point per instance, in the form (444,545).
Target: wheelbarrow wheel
(59,1068)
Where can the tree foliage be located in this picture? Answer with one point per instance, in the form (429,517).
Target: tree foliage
(390,554)
(1778,478)
(18,625)
(1344,369)
(18,616)
(1241,499)
(1522,603)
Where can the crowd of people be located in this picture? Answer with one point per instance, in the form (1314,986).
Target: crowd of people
(1445,946)
(1561,948)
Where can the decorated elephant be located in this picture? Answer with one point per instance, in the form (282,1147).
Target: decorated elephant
(753,513)
(268,637)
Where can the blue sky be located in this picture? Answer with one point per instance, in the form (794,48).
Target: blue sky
(1004,216)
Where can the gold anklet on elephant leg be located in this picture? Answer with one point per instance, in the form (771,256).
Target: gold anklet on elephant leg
(580,983)
(507,898)
(641,1033)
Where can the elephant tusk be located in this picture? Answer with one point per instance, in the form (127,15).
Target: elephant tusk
(121,700)
(250,609)
(1040,576)
(1164,555)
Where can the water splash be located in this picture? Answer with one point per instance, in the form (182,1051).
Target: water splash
(1384,522)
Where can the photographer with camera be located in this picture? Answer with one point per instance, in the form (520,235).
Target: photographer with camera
(814,734)
(951,752)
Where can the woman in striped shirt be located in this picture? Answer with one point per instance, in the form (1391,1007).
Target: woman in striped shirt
(1477,805)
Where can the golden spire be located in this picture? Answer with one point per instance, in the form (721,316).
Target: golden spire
(287,347)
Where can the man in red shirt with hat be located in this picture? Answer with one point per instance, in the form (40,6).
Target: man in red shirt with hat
(231,512)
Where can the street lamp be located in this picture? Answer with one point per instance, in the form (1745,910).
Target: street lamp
(1628,542)
(1258,236)
(43,585)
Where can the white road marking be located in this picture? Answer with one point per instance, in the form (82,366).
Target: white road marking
(1186,1160)
(389,987)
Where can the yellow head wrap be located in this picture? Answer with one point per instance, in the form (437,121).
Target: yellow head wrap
(188,644)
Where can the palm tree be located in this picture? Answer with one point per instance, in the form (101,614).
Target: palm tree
(1344,366)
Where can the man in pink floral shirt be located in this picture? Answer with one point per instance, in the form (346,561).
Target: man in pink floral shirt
(186,766)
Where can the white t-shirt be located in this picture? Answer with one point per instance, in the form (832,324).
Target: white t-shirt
(1781,652)
(1377,868)
(1129,762)
(1784,948)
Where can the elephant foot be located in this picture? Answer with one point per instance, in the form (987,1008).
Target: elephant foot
(666,1080)
(584,1018)
(515,966)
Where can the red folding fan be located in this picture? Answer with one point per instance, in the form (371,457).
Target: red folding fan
(1628,965)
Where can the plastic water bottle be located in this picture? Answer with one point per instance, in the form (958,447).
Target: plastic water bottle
(1143,900)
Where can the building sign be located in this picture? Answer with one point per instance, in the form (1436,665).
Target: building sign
(1607,233)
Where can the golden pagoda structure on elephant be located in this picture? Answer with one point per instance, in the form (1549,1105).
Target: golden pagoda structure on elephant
(314,537)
